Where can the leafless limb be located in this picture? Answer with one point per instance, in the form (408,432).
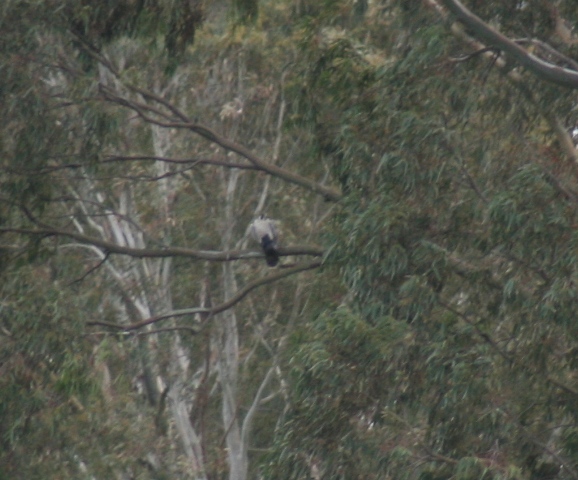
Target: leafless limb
(182,328)
(565,464)
(162,252)
(481,51)
(155,115)
(193,161)
(185,122)
(90,270)
(209,312)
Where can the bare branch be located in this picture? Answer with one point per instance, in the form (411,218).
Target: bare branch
(90,270)
(210,312)
(563,462)
(145,111)
(185,122)
(248,420)
(192,161)
(177,328)
(162,252)
(481,51)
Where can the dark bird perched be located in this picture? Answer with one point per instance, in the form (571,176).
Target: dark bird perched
(263,231)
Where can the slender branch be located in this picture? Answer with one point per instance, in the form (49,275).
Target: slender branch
(439,457)
(562,386)
(177,328)
(481,51)
(90,270)
(564,463)
(481,333)
(328,193)
(184,123)
(193,161)
(248,420)
(190,162)
(209,312)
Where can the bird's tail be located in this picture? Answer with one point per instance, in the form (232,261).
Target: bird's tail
(272,258)
(271,255)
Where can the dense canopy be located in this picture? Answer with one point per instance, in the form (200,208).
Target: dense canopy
(420,160)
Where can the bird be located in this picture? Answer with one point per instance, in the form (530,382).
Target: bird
(264,232)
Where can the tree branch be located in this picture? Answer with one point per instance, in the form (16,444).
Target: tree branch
(543,70)
(186,161)
(209,312)
(185,123)
(514,76)
(163,252)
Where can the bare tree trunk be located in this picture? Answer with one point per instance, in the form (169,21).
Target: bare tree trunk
(179,395)
(228,341)
(144,289)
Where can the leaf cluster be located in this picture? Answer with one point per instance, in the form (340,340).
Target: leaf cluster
(456,222)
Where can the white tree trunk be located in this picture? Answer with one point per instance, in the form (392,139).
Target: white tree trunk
(228,352)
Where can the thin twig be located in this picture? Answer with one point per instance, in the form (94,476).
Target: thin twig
(210,312)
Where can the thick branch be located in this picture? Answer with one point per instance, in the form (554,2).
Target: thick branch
(514,76)
(209,312)
(544,70)
(163,252)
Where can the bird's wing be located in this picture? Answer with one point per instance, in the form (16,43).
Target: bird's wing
(273,229)
(251,231)
(258,229)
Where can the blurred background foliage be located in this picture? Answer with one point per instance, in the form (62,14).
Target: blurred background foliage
(437,341)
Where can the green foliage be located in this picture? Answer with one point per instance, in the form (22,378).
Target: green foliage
(246,11)
(452,254)
(453,223)
(342,369)
(56,411)
(103,22)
